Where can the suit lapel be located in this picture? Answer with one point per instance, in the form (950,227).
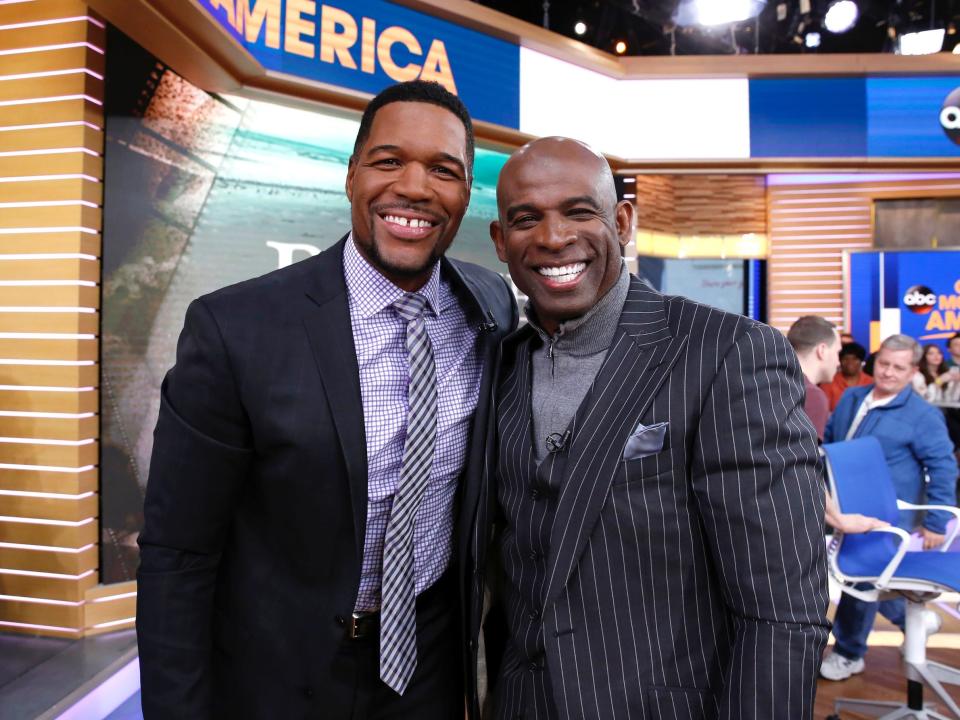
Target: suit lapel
(639,360)
(327,322)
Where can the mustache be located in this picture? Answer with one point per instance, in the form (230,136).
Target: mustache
(385,208)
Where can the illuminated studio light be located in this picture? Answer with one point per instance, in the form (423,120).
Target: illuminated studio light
(925,42)
(580,27)
(620,47)
(717,12)
(841,16)
(812,40)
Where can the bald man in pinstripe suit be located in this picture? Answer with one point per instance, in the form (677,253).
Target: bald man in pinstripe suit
(655,481)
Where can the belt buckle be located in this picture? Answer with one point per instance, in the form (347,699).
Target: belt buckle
(355,625)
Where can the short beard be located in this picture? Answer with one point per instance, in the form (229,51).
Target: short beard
(387,268)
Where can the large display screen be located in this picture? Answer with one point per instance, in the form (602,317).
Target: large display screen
(202,191)
(916,293)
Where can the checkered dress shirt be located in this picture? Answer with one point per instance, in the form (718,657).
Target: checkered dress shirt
(379,335)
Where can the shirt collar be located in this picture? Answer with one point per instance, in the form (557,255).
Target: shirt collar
(592,332)
(371,292)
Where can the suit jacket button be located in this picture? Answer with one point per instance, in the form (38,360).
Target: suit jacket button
(472,645)
(534,614)
(534,555)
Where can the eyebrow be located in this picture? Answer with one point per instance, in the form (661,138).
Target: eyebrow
(442,155)
(582,200)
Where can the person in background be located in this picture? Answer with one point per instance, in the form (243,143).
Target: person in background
(953,351)
(916,446)
(846,338)
(816,343)
(933,375)
(851,373)
(952,391)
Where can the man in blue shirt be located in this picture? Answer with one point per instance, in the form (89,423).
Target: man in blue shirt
(915,442)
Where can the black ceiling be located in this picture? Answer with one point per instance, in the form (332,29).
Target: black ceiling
(648,29)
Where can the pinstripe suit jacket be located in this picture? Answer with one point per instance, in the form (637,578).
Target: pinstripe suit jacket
(690,583)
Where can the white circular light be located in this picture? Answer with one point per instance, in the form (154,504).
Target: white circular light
(621,47)
(580,28)
(841,16)
(812,39)
(722,12)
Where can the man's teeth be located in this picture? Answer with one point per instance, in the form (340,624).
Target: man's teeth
(565,273)
(407,222)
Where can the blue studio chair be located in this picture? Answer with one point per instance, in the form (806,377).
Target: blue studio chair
(881,562)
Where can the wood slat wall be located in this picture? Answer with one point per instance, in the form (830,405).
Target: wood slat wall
(702,204)
(810,225)
(51,193)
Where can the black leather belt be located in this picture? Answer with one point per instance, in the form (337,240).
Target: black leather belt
(365,625)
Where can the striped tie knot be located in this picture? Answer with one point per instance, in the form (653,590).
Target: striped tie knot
(411,306)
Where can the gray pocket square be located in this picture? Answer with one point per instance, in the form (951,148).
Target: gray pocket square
(646,440)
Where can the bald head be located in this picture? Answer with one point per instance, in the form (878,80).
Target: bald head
(551,155)
(560,228)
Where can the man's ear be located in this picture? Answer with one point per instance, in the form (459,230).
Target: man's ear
(351,171)
(496,234)
(625,222)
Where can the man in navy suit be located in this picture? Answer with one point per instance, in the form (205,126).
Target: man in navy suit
(660,539)
(314,438)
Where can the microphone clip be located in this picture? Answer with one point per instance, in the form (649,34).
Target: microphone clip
(557,441)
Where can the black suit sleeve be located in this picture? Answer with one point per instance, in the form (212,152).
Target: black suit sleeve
(201,454)
(757,481)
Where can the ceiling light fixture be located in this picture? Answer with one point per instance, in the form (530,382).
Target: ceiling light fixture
(841,16)
(925,42)
(580,27)
(811,39)
(620,47)
(717,12)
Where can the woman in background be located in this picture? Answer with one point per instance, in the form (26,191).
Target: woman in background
(933,375)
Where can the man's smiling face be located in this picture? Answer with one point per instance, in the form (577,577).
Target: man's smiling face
(560,228)
(408,189)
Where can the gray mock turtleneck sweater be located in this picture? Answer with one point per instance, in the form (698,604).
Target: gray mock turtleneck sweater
(566,364)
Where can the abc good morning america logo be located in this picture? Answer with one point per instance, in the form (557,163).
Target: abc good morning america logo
(920,299)
(950,116)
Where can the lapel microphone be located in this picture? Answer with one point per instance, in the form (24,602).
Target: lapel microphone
(557,441)
(489,324)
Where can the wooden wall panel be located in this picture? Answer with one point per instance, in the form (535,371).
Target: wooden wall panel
(52,119)
(67,562)
(68,534)
(702,204)
(810,226)
(49,322)
(49,481)
(66,110)
(50,296)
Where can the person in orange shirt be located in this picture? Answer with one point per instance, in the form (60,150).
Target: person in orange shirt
(851,373)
